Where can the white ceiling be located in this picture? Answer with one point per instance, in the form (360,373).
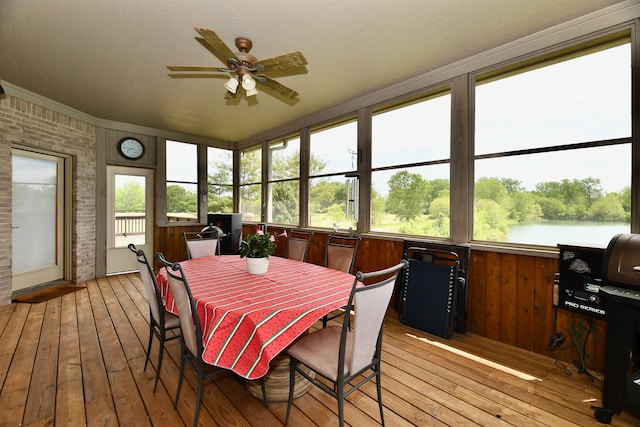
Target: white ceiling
(107,58)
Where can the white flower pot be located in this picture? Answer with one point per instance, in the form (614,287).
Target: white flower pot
(257,265)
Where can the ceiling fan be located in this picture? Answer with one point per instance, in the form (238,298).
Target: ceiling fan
(246,70)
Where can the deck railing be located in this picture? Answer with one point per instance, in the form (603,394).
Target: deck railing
(129,225)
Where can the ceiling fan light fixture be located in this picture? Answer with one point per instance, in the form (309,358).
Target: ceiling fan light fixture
(248,83)
(232,85)
(252,92)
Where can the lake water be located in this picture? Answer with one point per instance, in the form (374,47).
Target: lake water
(553,232)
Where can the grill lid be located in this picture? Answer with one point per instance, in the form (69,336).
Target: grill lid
(622,260)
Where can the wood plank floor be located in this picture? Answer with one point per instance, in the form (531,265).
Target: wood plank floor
(78,360)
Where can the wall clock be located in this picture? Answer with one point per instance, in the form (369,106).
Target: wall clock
(130,148)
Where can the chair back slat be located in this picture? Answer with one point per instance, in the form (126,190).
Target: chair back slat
(340,258)
(201,247)
(297,249)
(340,252)
(298,244)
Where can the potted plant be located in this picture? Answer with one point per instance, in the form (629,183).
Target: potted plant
(257,248)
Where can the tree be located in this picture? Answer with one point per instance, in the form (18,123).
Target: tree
(592,189)
(377,207)
(625,198)
(179,200)
(549,189)
(408,195)
(284,202)
(220,198)
(251,201)
(491,189)
(524,207)
(222,170)
(436,188)
(490,221)
(130,198)
(337,213)
(512,185)
(323,194)
(608,208)
(285,167)
(220,184)
(440,207)
(551,208)
(251,167)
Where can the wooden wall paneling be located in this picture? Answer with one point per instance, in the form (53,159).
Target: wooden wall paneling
(526,286)
(592,350)
(493,295)
(566,352)
(316,249)
(508,299)
(574,326)
(476,293)
(545,269)
(376,254)
(365,257)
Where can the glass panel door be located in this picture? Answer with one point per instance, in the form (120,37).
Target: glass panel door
(37,219)
(130,216)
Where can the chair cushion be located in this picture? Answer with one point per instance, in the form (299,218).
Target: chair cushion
(171,321)
(319,351)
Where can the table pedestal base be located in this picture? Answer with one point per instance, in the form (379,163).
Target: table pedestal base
(276,381)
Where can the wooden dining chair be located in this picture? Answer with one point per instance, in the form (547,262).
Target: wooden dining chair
(191,336)
(342,355)
(340,254)
(160,320)
(198,245)
(298,244)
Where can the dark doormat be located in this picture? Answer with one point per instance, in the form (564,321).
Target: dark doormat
(46,294)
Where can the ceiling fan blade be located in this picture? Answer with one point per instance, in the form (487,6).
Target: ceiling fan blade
(279,89)
(197,76)
(186,68)
(214,44)
(285,65)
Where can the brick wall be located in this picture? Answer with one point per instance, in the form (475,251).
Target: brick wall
(32,125)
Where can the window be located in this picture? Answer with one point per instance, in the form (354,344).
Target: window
(220,180)
(553,150)
(250,185)
(284,182)
(333,156)
(410,156)
(182,181)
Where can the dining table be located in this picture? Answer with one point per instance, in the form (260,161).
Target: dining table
(249,319)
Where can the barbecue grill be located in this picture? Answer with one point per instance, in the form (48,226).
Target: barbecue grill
(621,290)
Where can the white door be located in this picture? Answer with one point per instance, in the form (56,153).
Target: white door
(130,216)
(38,218)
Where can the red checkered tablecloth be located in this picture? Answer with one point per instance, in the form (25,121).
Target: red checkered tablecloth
(249,319)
